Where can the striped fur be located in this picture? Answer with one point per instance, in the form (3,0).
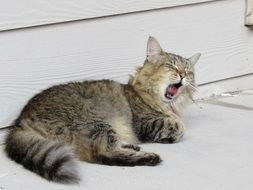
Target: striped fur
(51,160)
(102,121)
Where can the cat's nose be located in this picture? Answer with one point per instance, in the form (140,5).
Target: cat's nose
(182,75)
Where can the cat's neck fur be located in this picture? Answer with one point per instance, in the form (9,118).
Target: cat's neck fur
(155,104)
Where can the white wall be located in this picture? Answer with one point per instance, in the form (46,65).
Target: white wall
(26,13)
(32,59)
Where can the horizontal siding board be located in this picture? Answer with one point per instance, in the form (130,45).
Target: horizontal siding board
(26,13)
(35,58)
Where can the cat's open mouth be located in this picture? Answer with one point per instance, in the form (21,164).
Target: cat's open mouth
(172,90)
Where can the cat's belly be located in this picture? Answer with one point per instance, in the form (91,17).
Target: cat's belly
(124,130)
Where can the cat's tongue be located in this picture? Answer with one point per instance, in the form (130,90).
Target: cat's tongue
(172,90)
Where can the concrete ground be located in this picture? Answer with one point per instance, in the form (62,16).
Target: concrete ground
(216,153)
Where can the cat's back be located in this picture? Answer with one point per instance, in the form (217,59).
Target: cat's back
(74,97)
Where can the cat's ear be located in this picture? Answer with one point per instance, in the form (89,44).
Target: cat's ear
(194,59)
(154,50)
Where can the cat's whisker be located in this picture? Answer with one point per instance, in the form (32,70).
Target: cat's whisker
(191,86)
(194,87)
(173,104)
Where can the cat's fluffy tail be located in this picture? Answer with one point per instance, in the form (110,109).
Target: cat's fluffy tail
(51,160)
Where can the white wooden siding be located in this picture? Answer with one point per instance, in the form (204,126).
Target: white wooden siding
(34,58)
(249,13)
(18,14)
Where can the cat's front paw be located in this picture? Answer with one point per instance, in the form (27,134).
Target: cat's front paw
(172,132)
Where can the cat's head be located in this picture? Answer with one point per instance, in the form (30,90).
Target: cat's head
(165,78)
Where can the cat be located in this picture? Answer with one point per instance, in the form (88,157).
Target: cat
(104,121)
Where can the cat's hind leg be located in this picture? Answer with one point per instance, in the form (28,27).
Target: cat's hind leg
(106,147)
(131,146)
(128,157)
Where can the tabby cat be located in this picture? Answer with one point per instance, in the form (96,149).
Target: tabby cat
(104,121)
